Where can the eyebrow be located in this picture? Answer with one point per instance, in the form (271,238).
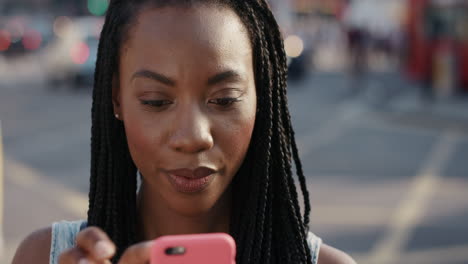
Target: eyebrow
(229,75)
(154,76)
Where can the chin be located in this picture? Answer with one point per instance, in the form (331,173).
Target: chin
(214,198)
(195,204)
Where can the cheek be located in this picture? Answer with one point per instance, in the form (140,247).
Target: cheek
(142,137)
(243,134)
(236,141)
(139,142)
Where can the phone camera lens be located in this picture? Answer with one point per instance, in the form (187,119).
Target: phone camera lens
(175,251)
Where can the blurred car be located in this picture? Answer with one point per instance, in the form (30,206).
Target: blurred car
(73,58)
(24,34)
(84,73)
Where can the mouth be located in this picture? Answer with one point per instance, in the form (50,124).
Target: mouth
(191,181)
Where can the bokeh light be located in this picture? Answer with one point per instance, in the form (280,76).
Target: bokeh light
(98,7)
(79,53)
(32,40)
(293,46)
(5,40)
(61,25)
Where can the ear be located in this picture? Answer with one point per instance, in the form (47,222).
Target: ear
(116,99)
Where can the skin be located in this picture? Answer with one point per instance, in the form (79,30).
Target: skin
(193,128)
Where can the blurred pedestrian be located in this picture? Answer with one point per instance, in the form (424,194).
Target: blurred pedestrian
(357,44)
(190,96)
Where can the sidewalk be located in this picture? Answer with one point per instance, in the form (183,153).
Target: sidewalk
(32,201)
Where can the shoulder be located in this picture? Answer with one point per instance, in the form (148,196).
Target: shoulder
(331,255)
(35,248)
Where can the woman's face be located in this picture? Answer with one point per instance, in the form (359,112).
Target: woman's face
(186,95)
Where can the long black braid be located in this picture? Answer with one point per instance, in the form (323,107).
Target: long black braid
(266,220)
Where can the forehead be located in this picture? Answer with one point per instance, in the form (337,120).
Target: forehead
(201,33)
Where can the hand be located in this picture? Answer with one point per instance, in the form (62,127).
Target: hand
(92,246)
(137,254)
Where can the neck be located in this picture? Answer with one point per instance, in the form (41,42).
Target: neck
(156,218)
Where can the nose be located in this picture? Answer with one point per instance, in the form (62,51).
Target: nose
(191,132)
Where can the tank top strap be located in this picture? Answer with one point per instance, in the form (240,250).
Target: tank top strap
(63,237)
(314,244)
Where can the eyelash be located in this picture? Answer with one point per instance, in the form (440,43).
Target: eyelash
(156,103)
(224,102)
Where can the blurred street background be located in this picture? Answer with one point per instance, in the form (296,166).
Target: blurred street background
(378,92)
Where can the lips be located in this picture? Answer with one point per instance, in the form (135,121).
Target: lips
(199,172)
(191,181)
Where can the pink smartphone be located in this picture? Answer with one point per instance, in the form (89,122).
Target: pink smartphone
(213,248)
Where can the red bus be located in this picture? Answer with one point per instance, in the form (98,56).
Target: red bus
(437,35)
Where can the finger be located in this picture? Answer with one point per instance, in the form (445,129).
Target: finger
(76,255)
(137,254)
(71,256)
(95,243)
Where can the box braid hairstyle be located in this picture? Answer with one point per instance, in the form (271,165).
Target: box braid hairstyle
(266,220)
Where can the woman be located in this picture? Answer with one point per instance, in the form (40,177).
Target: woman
(192,94)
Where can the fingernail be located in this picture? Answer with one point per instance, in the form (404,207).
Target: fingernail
(83,261)
(103,249)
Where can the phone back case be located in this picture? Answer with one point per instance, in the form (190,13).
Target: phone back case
(213,248)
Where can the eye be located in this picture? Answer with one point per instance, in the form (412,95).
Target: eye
(225,102)
(156,103)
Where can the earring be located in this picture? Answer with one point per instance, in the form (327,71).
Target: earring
(117,116)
